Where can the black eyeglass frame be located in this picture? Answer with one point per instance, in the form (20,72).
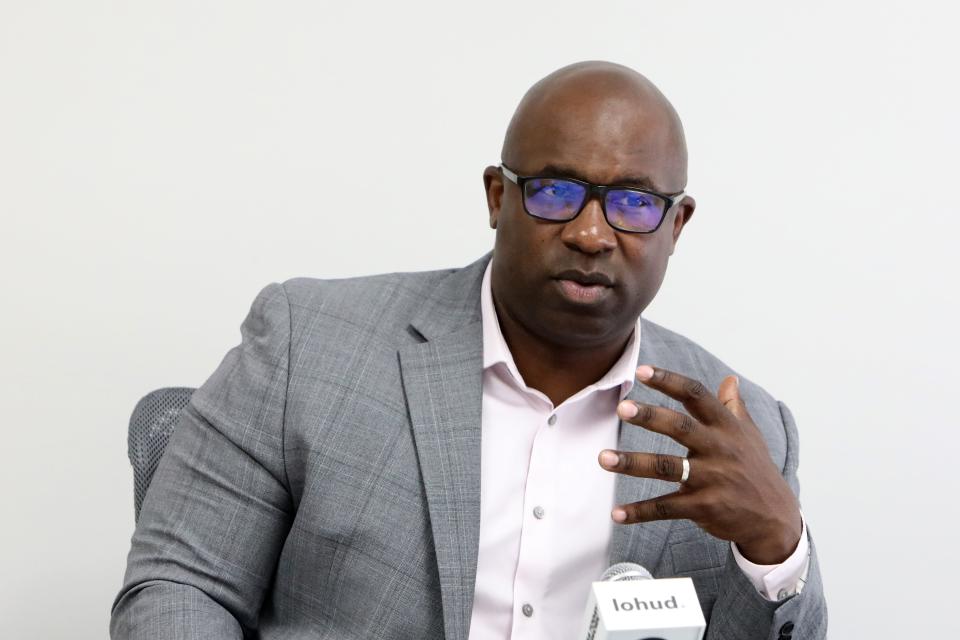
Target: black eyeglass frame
(593,191)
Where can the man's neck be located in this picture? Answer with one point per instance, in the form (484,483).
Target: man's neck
(557,372)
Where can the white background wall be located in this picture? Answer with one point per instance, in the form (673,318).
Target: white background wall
(161,162)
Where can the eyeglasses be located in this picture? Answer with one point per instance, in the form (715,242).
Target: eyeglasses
(562,199)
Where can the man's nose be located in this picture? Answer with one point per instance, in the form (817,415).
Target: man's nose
(589,232)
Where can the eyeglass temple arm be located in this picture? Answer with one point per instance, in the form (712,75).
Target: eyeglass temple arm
(511,176)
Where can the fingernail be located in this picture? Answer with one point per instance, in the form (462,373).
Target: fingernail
(644,372)
(627,410)
(736,381)
(609,459)
(619,515)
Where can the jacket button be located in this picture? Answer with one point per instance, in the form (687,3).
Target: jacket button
(786,631)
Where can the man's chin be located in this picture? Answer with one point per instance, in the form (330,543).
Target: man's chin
(586,330)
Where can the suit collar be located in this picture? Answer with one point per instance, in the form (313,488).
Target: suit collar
(454,302)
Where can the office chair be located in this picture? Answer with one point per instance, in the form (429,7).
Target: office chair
(151,426)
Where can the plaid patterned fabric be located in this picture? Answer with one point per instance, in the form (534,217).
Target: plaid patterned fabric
(324,482)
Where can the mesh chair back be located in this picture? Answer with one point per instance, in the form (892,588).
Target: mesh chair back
(151,426)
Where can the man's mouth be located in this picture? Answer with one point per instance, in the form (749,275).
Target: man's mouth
(583,287)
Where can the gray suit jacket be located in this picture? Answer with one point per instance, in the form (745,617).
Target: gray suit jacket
(325,481)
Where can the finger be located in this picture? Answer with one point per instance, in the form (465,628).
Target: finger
(673,424)
(729,396)
(657,466)
(697,399)
(673,506)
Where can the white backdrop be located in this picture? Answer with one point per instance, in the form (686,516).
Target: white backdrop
(161,162)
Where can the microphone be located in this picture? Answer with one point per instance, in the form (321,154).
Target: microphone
(629,604)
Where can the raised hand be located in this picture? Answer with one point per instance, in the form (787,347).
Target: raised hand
(733,492)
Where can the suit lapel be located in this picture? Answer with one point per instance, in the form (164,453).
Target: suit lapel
(642,543)
(443,382)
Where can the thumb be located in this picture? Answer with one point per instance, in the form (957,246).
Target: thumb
(729,394)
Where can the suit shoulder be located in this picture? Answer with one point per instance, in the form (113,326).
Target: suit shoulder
(679,353)
(677,349)
(381,304)
(682,350)
(361,291)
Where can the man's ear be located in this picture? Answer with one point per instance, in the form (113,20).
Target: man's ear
(682,215)
(493,185)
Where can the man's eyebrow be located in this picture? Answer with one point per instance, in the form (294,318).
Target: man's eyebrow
(557,170)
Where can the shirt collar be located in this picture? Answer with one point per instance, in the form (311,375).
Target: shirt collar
(496,351)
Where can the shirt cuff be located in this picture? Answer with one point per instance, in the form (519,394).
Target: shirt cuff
(777,582)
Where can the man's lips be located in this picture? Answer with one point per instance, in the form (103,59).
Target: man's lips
(584,278)
(582,287)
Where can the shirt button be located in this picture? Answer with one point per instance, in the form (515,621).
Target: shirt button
(527,610)
(538,512)
(552,420)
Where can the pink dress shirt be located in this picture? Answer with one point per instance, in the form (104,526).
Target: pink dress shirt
(545,502)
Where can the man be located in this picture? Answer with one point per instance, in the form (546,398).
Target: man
(459,454)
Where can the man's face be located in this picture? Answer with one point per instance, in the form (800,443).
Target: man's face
(604,141)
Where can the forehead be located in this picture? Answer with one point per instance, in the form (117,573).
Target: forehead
(603,139)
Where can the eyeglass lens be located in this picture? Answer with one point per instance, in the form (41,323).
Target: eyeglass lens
(560,200)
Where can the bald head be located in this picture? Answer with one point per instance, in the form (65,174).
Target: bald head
(598,113)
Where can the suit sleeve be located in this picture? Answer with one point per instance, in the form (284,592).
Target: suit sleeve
(740,612)
(218,509)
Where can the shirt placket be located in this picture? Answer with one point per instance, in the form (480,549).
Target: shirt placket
(537,534)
